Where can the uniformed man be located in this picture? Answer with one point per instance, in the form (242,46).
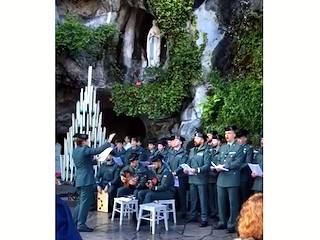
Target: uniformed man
(84,179)
(213,144)
(108,179)
(245,172)
(119,150)
(258,180)
(126,143)
(169,140)
(176,157)
(129,176)
(160,187)
(230,157)
(152,150)
(162,149)
(135,149)
(199,161)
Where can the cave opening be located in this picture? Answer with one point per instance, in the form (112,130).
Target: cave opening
(122,125)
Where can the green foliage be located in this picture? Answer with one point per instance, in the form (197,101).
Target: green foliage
(164,97)
(236,98)
(73,37)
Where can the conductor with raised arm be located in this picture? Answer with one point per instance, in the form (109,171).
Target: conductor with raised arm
(85,181)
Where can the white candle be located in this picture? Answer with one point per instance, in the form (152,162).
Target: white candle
(109,17)
(89,75)
(87,126)
(104,133)
(100,120)
(81,96)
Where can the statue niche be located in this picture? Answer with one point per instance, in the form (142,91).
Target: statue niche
(153,45)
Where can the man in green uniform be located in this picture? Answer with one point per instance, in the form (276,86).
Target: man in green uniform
(152,150)
(245,172)
(176,157)
(230,157)
(108,179)
(162,149)
(84,179)
(199,162)
(161,187)
(134,169)
(119,150)
(135,148)
(258,180)
(214,144)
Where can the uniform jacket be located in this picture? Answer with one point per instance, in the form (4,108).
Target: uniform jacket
(139,150)
(214,153)
(108,174)
(164,153)
(258,181)
(120,153)
(135,171)
(165,180)
(232,157)
(199,158)
(175,159)
(83,157)
(245,172)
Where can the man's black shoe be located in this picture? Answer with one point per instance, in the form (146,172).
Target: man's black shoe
(231,230)
(203,224)
(220,226)
(87,229)
(192,220)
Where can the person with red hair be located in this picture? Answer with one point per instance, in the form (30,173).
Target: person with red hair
(250,220)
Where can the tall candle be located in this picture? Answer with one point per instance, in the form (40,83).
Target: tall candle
(89,75)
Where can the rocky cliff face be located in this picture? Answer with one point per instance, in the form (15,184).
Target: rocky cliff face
(134,19)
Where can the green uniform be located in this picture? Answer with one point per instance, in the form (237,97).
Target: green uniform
(124,191)
(120,153)
(245,174)
(228,183)
(212,184)
(162,191)
(174,160)
(164,153)
(139,150)
(108,175)
(258,181)
(199,158)
(85,181)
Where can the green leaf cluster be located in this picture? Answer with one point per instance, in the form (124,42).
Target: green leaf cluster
(73,37)
(237,97)
(164,97)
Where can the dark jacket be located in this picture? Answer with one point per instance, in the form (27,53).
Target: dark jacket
(144,177)
(245,172)
(258,181)
(139,150)
(165,180)
(232,157)
(83,157)
(214,152)
(199,158)
(120,153)
(134,171)
(164,153)
(175,159)
(108,174)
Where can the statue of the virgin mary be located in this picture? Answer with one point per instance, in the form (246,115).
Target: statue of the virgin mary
(153,45)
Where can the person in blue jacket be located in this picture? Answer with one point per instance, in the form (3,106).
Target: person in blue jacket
(84,179)
(65,227)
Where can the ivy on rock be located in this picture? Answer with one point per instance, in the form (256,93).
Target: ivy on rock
(164,97)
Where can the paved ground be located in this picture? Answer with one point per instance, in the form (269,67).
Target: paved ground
(104,229)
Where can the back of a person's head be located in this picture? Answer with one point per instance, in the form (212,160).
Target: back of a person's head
(250,220)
